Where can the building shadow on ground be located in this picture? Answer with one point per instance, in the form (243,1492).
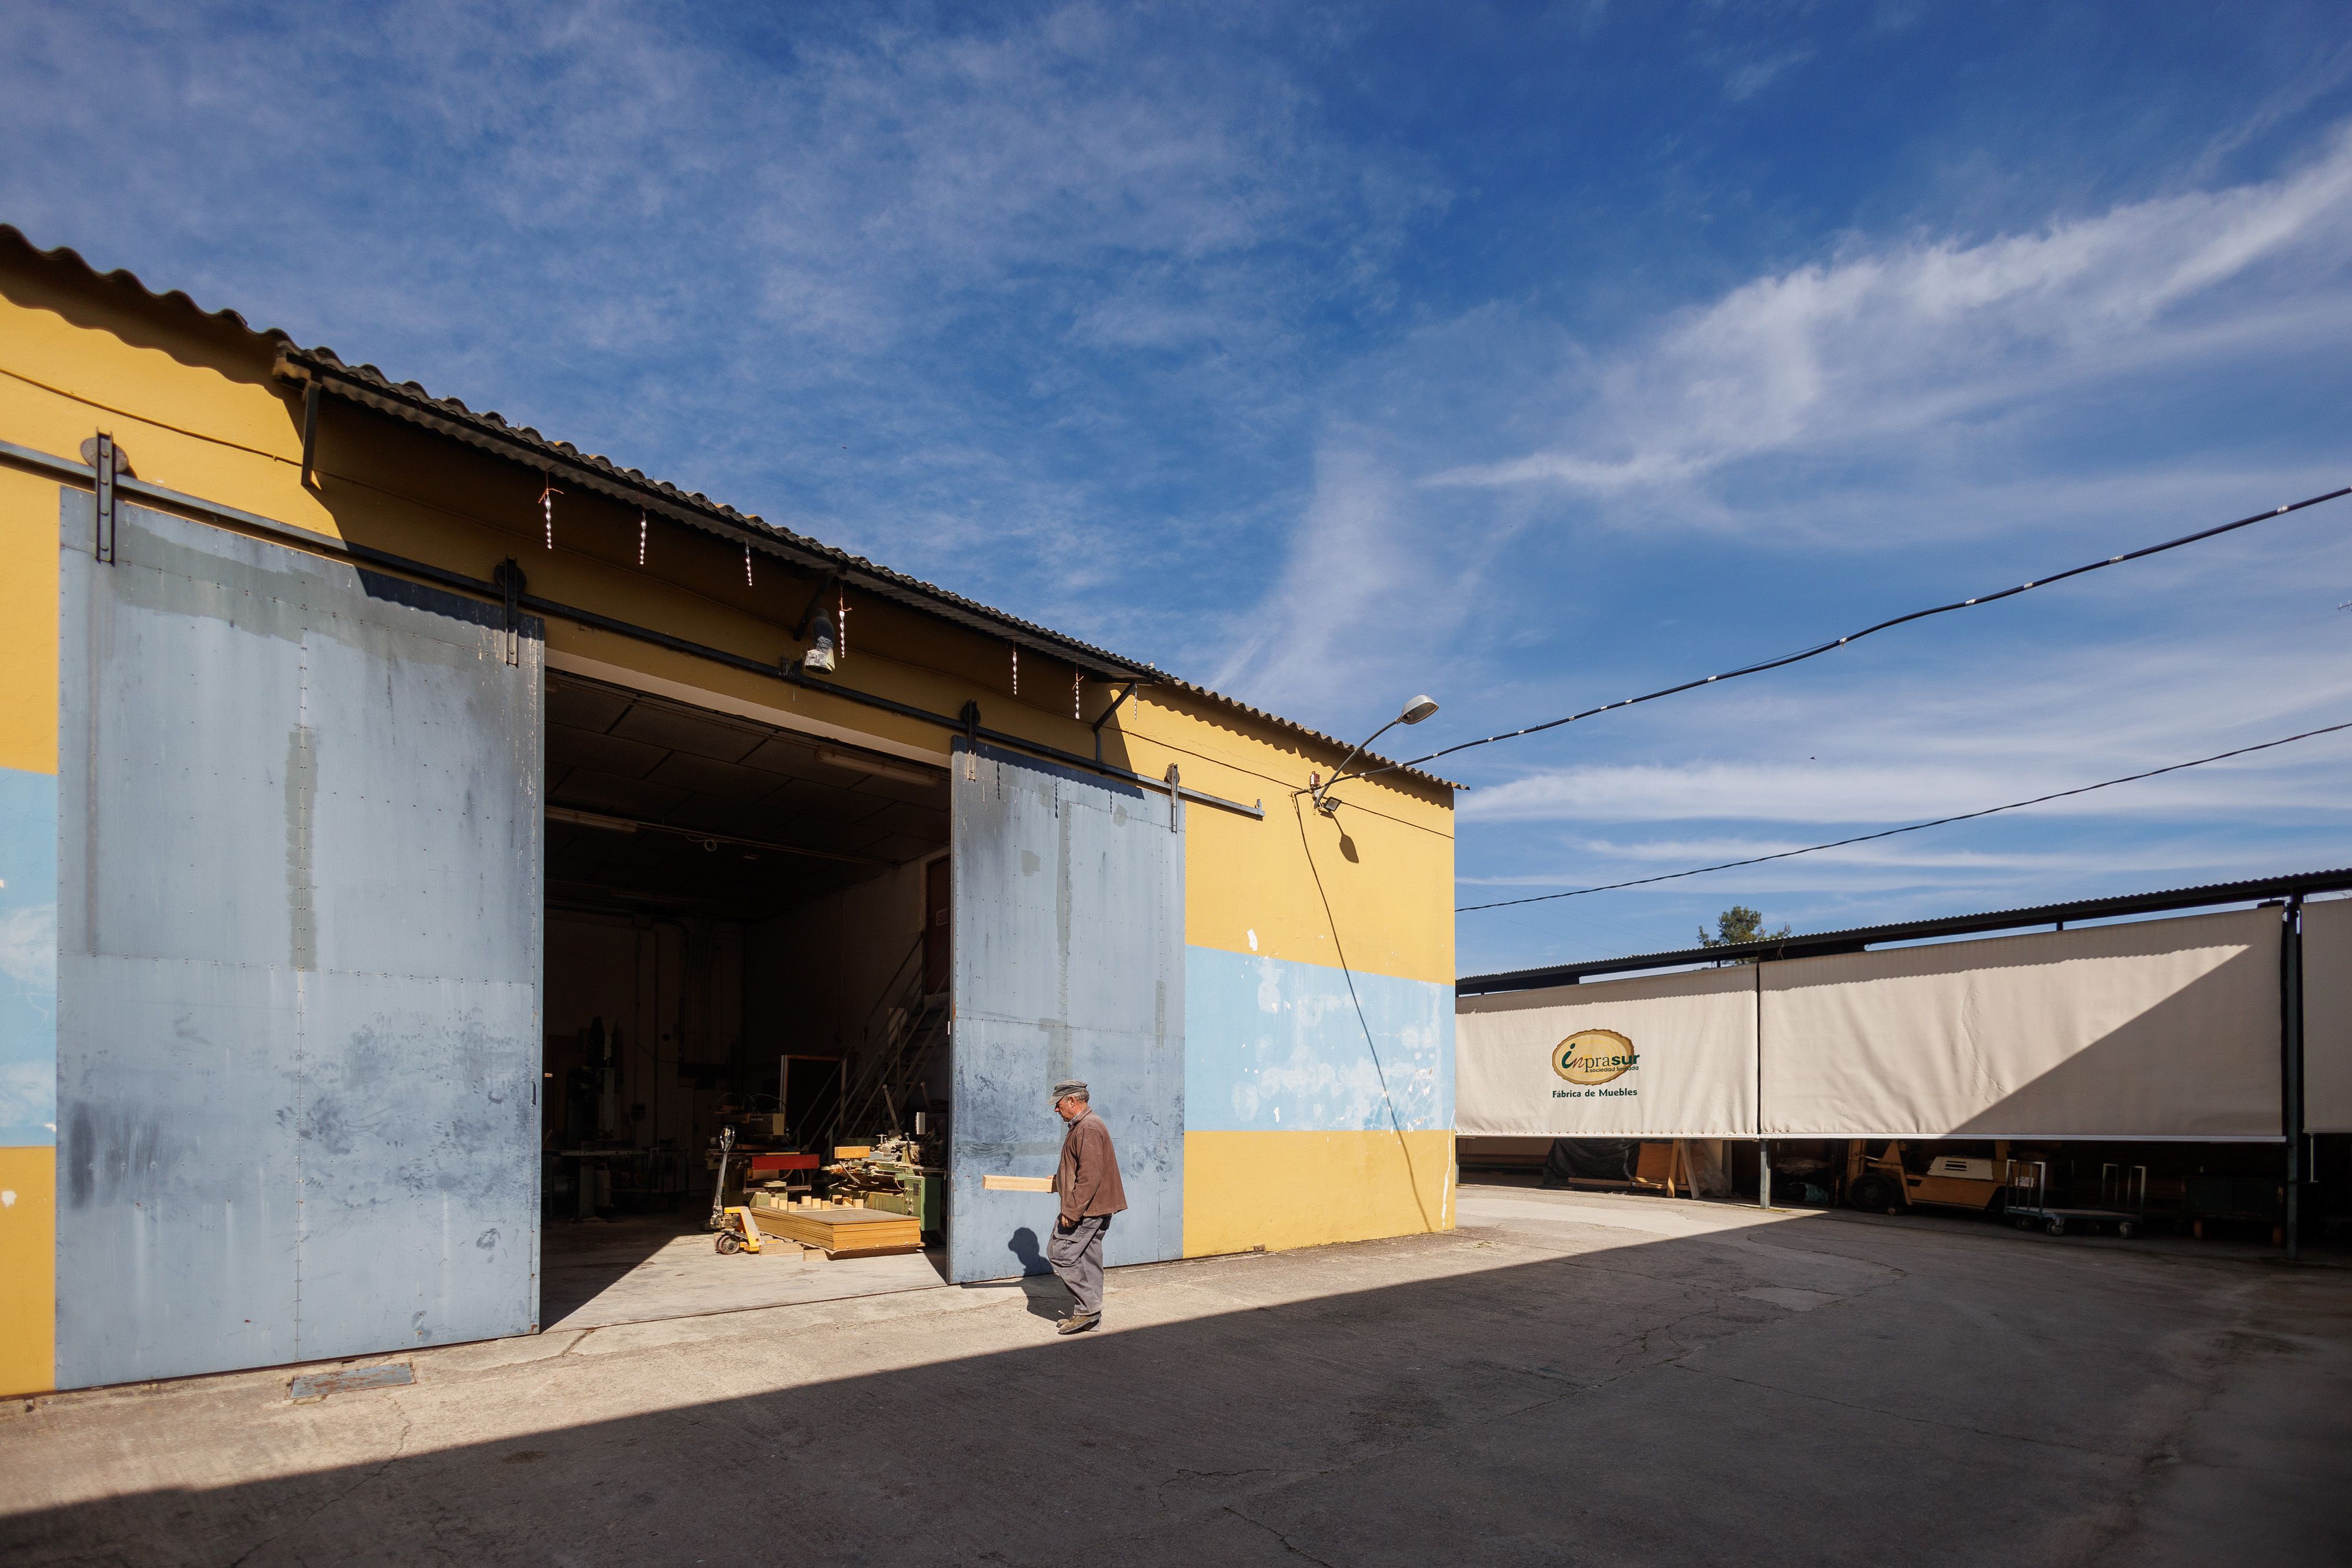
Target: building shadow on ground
(1493,1396)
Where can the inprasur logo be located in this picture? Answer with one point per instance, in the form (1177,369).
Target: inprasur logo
(1593,1056)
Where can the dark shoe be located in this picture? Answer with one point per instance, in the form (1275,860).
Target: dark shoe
(1079,1322)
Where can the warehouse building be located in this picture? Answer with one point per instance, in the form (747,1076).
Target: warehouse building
(417,833)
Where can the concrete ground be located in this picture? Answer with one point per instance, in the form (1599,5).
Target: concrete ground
(1569,1378)
(649,1267)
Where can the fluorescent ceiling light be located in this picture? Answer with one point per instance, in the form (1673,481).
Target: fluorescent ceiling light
(860,762)
(589,820)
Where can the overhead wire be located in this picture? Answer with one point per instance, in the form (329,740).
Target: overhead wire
(1830,647)
(1907,828)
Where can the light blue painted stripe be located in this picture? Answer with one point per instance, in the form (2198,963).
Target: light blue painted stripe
(29,958)
(1276,1046)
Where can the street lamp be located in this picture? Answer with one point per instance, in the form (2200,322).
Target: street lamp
(1420,708)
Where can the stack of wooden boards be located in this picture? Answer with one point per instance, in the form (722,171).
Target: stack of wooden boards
(842,1230)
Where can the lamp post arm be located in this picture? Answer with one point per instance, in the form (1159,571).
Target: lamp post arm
(1340,772)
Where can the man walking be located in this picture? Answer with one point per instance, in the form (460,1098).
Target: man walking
(1091,1193)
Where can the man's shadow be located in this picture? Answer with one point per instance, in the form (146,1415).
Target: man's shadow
(1045,1296)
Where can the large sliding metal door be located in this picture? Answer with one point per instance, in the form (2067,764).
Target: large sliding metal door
(1069,963)
(300,934)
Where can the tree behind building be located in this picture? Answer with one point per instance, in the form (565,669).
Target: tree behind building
(1736,924)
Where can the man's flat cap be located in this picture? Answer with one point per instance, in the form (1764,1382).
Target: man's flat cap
(1067,1087)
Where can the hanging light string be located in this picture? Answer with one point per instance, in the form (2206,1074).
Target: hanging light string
(1078,678)
(641,539)
(546,509)
(841,623)
(1831,647)
(1912,827)
(1016,669)
(747,566)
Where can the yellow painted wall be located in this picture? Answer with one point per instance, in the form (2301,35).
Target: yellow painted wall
(1373,888)
(28,623)
(28,1248)
(28,744)
(1279,1190)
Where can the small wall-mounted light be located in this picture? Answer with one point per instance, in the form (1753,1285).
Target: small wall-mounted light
(819,656)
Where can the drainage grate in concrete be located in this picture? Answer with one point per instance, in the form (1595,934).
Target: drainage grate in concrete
(344,1380)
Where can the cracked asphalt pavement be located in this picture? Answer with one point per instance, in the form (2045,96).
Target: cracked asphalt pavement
(1568,1378)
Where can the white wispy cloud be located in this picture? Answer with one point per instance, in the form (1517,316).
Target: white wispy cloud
(1942,884)
(1882,342)
(1348,566)
(1916,789)
(1156,325)
(1913,744)
(868,271)
(1914,390)
(1745,79)
(1644,854)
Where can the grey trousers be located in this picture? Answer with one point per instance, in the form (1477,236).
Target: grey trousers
(1077,1257)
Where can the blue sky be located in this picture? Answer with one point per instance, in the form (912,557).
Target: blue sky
(1529,355)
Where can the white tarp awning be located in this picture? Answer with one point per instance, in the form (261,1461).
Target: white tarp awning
(2157,1028)
(1659,1057)
(2161,1028)
(2327,1015)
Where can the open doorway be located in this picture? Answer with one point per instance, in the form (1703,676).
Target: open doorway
(747,939)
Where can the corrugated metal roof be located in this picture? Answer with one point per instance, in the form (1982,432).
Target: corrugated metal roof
(71,259)
(1855,938)
(491,432)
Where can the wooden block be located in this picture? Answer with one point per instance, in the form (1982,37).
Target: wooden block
(853,1151)
(1655,1163)
(1017,1184)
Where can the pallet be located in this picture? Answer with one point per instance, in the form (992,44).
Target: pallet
(844,1232)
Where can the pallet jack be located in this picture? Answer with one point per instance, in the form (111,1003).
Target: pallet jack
(738,1231)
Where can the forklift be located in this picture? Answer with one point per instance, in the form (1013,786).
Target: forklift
(1885,1182)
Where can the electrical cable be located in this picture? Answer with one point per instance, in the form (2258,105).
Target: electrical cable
(1909,828)
(1380,1073)
(1830,647)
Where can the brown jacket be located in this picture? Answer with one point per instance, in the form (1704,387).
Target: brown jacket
(1088,1179)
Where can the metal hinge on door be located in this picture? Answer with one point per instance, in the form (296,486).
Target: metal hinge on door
(105,461)
(509,578)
